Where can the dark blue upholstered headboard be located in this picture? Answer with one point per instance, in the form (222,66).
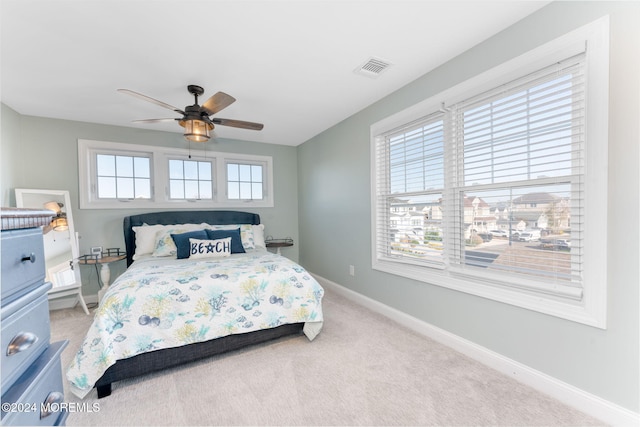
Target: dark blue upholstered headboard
(181,217)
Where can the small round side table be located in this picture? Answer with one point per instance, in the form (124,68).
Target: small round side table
(278,244)
(111,255)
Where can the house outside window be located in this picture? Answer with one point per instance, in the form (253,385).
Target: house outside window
(498,171)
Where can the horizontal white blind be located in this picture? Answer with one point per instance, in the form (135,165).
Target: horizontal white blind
(530,131)
(524,167)
(520,166)
(409,185)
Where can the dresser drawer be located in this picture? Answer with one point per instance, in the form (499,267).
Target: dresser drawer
(23,266)
(62,418)
(25,333)
(38,389)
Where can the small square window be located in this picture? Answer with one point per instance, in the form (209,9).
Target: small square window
(245,181)
(123,177)
(190,179)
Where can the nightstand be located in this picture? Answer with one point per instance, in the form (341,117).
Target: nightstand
(278,243)
(106,258)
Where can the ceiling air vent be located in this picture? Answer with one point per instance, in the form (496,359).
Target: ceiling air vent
(373,67)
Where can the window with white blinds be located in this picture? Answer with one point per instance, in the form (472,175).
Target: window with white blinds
(518,196)
(487,193)
(411,182)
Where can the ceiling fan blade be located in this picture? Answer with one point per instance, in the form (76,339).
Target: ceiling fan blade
(152,100)
(238,124)
(154,120)
(217,102)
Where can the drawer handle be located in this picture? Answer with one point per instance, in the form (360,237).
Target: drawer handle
(21,342)
(31,258)
(53,398)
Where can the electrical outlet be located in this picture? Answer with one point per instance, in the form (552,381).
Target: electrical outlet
(352,270)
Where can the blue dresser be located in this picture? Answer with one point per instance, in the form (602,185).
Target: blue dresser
(31,374)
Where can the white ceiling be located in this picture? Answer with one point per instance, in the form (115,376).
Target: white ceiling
(289,64)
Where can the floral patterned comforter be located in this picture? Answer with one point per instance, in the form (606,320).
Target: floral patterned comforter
(163,303)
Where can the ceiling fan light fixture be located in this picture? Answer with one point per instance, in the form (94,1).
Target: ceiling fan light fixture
(196,119)
(60,224)
(196,130)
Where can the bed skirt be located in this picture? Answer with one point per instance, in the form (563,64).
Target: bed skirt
(166,358)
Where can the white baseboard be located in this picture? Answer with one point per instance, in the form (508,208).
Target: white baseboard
(71,301)
(62,303)
(588,403)
(91,299)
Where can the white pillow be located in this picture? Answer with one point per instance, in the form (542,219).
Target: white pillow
(246,232)
(258,236)
(209,248)
(164,244)
(145,239)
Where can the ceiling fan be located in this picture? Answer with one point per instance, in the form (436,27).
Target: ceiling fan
(196,119)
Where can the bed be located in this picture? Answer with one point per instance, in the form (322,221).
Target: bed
(166,310)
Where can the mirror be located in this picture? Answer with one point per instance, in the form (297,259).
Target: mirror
(60,244)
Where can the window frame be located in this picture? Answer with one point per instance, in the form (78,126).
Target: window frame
(591,308)
(183,159)
(87,172)
(246,162)
(160,156)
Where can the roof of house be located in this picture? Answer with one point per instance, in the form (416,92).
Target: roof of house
(535,198)
(468,202)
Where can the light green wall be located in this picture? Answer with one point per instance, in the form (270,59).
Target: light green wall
(335,217)
(322,201)
(43,153)
(9,134)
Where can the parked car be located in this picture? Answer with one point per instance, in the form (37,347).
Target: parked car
(529,236)
(563,243)
(499,233)
(486,237)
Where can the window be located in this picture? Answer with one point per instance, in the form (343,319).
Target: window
(116,175)
(484,188)
(412,178)
(190,179)
(244,181)
(521,163)
(123,177)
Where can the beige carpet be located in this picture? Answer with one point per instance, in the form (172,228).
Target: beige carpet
(363,369)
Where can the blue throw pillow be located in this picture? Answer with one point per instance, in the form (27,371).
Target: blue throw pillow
(182,241)
(236,240)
